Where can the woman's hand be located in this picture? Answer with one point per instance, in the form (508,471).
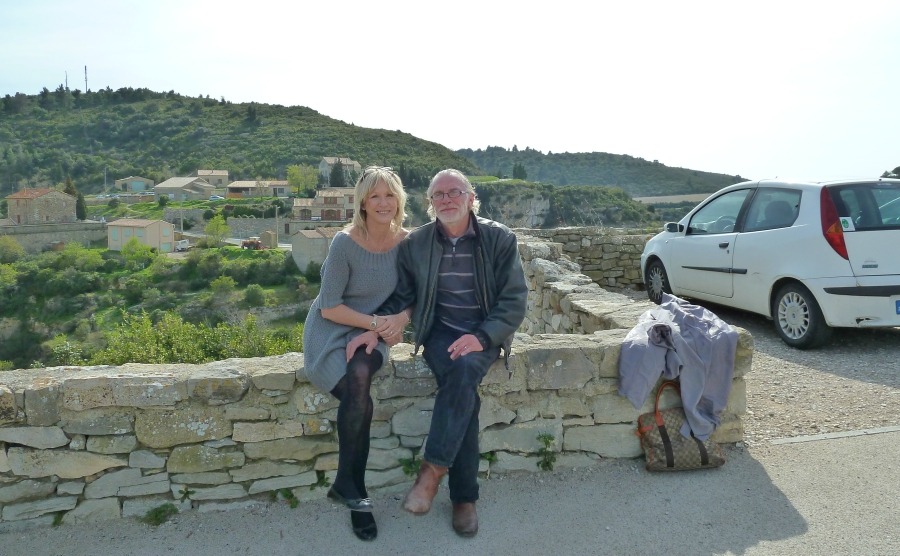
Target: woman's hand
(369,339)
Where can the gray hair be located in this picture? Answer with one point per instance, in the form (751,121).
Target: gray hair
(458,176)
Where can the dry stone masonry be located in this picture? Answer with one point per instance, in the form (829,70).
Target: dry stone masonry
(94,443)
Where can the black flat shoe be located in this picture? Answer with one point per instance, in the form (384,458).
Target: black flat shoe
(355,504)
(364,526)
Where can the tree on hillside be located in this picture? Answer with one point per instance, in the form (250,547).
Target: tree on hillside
(302,178)
(216,230)
(80,208)
(337,177)
(519,171)
(136,254)
(70,187)
(10,250)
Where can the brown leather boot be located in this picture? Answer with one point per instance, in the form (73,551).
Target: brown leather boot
(418,499)
(465,519)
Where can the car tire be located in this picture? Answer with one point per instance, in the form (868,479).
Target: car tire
(657,281)
(798,318)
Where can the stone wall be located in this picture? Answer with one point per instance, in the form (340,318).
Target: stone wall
(38,237)
(610,257)
(93,443)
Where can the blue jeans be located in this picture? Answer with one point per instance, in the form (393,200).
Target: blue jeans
(453,437)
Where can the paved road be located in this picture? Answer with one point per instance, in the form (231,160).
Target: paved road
(836,496)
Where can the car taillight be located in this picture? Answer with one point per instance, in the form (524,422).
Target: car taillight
(831,224)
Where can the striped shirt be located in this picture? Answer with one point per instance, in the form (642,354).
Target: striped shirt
(457,301)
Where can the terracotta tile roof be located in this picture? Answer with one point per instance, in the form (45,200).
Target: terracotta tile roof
(29,193)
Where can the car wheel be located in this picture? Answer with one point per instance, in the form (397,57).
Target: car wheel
(657,281)
(798,318)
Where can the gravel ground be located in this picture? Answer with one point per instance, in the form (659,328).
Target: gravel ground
(851,384)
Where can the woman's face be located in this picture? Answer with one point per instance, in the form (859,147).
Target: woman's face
(380,205)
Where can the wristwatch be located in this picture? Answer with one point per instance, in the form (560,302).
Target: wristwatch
(374,322)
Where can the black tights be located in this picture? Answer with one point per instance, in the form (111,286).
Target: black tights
(354,420)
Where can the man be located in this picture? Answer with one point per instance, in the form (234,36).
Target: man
(463,277)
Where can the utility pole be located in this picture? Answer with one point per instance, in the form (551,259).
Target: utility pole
(276,226)
(85,79)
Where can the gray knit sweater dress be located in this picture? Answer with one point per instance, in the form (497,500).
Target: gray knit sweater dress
(362,281)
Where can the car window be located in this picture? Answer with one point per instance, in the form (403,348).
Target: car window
(719,215)
(871,206)
(772,208)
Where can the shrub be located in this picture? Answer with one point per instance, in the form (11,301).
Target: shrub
(255,295)
(223,285)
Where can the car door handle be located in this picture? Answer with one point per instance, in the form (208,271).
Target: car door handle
(724,245)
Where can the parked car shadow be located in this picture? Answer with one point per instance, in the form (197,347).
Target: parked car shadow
(848,354)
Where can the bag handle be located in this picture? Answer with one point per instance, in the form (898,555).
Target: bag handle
(657,417)
(666,384)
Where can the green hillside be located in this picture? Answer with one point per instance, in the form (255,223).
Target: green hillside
(638,177)
(98,137)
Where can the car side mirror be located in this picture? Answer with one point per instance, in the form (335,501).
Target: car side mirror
(674,227)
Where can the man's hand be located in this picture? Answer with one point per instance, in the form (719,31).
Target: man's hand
(467,343)
(369,339)
(391,325)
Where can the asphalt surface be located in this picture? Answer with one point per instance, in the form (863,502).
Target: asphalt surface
(831,495)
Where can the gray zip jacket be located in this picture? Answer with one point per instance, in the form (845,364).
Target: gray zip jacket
(499,280)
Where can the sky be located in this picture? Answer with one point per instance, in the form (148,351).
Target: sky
(764,89)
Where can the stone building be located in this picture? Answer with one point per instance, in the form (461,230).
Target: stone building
(185,189)
(332,206)
(250,189)
(134,184)
(41,206)
(158,234)
(311,246)
(216,178)
(350,166)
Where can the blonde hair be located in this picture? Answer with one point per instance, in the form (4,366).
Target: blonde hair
(369,179)
(458,176)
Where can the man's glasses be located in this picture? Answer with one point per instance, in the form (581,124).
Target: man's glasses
(452,194)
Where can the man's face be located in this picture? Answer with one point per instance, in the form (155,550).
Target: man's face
(451,211)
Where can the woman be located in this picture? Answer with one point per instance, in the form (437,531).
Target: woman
(358,274)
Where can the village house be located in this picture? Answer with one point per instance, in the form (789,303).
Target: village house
(216,178)
(351,167)
(40,206)
(257,188)
(185,189)
(311,246)
(134,184)
(332,206)
(157,234)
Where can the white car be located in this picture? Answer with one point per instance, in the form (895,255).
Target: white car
(810,256)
